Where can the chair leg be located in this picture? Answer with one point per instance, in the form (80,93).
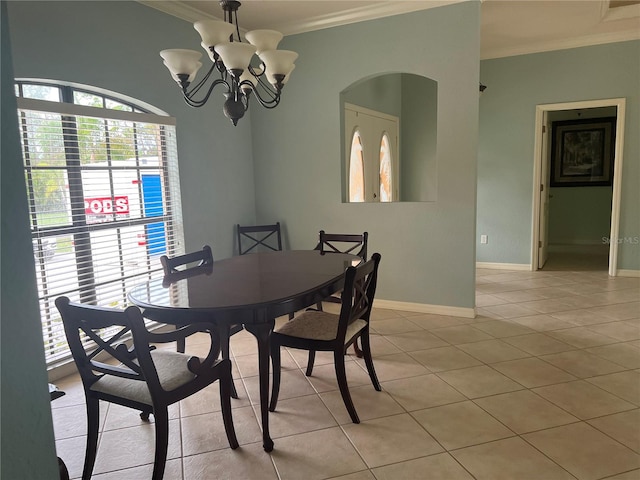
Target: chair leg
(225,400)
(341,376)
(224,348)
(93,420)
(368,360)
(310,361)
(357,350)
(181,343)
(161,416)
(276,365)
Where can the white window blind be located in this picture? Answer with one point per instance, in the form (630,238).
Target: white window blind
(104,203)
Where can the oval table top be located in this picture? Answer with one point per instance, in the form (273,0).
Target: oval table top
(275,282)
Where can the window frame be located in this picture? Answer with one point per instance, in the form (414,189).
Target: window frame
(76,225)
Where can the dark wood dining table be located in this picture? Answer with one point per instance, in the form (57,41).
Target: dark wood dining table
(252,290)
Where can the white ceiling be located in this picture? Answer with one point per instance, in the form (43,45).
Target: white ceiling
(509,27)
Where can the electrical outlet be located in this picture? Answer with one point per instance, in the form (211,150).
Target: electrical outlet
(484,239)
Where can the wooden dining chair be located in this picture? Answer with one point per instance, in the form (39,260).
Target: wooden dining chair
(113,352)
(315,330)
(355,244)
(192,263)
(183,264)
(256,237)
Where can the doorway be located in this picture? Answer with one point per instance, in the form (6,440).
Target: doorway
(545,116)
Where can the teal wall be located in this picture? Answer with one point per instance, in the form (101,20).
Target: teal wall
(382,94)
(419,138)
(115,45)
(428,248)
(27,444)
(505,154)
(579,215)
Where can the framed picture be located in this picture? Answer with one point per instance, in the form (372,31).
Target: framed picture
(582,152)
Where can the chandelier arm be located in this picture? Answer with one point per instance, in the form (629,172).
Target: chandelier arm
(200,84)
(260,82)
(270,103)
(268,88)
(253,71)
(188,96)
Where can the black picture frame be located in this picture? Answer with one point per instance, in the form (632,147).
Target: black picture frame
(582,152)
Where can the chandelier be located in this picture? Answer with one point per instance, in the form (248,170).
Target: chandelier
(232,64)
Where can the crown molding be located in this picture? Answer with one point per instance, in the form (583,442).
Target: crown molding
(179,10)
(620,13)
(562,44)
(361,14)
(396,7)
(354,15)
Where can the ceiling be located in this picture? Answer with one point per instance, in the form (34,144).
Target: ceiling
(508,27)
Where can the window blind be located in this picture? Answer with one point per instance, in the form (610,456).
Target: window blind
(104,204)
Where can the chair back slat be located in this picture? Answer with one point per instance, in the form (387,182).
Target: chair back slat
(358,293)
(355,244)
(95,336)
(109,345)
(187,261)
(256,237)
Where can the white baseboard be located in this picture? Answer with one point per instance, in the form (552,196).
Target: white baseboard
(426,308)
(629,273)
(504,266)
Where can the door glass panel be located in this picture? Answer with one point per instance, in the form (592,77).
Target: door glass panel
(356,170)
(385,170)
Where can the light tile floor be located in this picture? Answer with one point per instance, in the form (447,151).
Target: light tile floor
(543,384)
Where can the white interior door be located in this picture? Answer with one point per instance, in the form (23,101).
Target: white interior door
(543,224)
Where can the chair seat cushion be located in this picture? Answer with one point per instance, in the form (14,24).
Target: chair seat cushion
(172,372)
(316,325)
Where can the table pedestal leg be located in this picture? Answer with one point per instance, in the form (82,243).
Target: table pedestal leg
(224,330)
(262,332)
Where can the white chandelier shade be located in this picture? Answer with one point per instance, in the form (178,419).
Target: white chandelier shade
(235,55)
(263,39)
(182,61)
(279,61)
(236,63)
(213,32)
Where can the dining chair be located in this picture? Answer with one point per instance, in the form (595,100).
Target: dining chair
(315,330)
(256,237)
(355,244)
(183,264)
(180,266)
(142,377)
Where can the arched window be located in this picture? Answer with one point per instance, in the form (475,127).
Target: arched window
(104,200)
(386,180)
(356,169)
